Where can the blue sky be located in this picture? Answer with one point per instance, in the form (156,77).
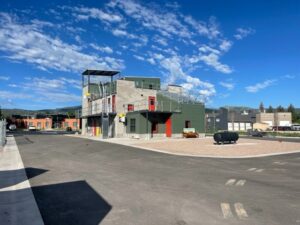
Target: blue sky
(221,52)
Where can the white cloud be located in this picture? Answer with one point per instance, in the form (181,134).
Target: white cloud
(118,32)
(4,78)
(141,58)
(227,85)
(23,42)
(162,41)
(151,61)
(166,23)
(87,13)
(206,29)
(193,86)
(241,33)
(260,86)
(212,60)
(13,95)
(288,76)
(105,49)
(225,45)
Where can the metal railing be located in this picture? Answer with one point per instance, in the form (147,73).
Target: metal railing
(97,107)
(159,106)
(2,132)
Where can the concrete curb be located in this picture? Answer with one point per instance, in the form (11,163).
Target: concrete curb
(17,202)
(191,155)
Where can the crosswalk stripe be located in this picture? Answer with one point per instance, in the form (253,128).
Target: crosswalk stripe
(240,183)
(251,169)
(240,211)
(230,182)
(259,170)
(226,210)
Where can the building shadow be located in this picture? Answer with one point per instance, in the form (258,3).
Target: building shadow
(70,203)
(13,177)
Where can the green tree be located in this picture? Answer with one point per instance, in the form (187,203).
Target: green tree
(261,107)
(280,109)
(1,114)
(292,110)
(270,109)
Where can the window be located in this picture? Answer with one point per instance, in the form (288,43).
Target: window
(30,123)
(132,125)
(66,124)
(74,124)
(187,124)
(47,124)
(130,107)
(150,86)
(39,124)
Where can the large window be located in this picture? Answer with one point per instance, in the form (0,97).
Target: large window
(66,124)
(75,124)
(132,125)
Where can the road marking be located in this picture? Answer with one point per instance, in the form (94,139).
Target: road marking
(225,207)
(240,211)
(240,183)
(279,163)
(230,182)
(256,170)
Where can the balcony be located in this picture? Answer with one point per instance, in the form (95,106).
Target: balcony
(154,106)
(98,107)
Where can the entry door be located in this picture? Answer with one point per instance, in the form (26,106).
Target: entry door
(169,127)
(154,128)
(151,103)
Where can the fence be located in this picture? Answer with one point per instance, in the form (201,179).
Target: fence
(2,132)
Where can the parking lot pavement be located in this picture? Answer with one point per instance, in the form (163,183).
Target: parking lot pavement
(90,182)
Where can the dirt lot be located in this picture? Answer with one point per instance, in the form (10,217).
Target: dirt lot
(206,147)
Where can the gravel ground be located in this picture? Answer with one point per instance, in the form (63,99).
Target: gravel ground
(206,146)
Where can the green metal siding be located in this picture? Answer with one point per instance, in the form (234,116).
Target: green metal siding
(192,112)
(145,82)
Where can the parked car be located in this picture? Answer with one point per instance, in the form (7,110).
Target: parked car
(296,127)
(12,127)
(32,128)
(281,128)
(256,133)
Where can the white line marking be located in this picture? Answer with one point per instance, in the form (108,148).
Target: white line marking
(226,210)
(240,183)
(230,182)
(279,163)
(251,169)
(240,211)
(259,170)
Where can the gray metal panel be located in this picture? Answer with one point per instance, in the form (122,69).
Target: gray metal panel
(105,126)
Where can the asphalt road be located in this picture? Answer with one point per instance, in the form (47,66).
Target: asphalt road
(79,181)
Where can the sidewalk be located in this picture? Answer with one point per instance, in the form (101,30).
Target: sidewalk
(17,203)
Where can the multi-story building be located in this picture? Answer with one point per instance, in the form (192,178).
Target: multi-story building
(231,119)
(136,107)
(275,119)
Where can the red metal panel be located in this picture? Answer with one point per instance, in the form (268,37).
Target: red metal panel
(151,103)
(113,103)
(169,127)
